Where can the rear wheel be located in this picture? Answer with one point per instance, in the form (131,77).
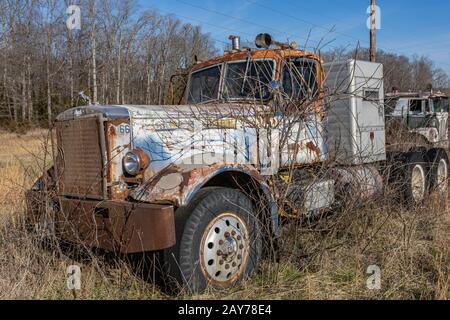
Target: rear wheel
(439,171)
(219,242)
(416,184)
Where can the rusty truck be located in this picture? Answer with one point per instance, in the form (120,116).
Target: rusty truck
(203,183)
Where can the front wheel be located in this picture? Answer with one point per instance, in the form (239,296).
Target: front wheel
(221,242)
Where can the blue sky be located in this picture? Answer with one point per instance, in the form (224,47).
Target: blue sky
(407,26)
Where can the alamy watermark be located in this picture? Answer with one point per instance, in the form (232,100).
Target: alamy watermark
(73,277)
(374,280)
(73,21)
(377,17)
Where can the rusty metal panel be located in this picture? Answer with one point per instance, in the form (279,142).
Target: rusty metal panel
(117,225)
(118,143)
(80,158)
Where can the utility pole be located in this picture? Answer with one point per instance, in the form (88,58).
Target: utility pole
(373,45)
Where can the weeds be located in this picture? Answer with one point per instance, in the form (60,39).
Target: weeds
(319,258)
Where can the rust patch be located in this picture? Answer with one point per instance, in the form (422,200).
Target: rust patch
(117,226)
(312,147)
(80,156)
(116,190)
(277,54)
(174,183)
(144,158)
(294,147)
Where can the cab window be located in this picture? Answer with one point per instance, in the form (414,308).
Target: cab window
(440,105)
(248,79)
(415,106)
(427,106)
(300,79)
(204,85)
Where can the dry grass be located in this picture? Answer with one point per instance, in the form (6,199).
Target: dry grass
(29,271)
(323,259)
(328,259)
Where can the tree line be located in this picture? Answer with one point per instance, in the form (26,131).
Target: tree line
(416,73)
(121,55)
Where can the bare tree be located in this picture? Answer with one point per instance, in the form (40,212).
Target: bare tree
(92,15)
(121,55)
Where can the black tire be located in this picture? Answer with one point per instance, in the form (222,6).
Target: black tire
(438,163)
(417,166)
(183,263)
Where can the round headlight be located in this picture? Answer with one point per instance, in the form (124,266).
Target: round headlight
(132,163)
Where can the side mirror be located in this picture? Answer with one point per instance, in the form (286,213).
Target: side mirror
(275,89)
(274,86)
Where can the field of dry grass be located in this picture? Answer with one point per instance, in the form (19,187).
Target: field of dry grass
(323,259)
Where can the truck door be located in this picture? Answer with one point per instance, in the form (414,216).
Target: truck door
(301,134)
(438,107)
(416,114)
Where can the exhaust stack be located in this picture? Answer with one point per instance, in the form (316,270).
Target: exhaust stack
(235,43)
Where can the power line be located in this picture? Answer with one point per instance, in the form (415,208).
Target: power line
(274,29)
(209,24)
(316,14)
(240,31)
(280,31)
(331,31)
(249,22)
(243,20)
(299,19)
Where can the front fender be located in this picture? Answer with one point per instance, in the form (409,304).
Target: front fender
(178,185)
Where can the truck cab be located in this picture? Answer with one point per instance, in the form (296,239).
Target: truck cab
(424,114)
(249,75)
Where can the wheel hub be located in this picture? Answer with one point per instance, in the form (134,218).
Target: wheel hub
(230,247)
(224,249)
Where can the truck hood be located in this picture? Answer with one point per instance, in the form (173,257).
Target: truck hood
(156,111)
(173,134)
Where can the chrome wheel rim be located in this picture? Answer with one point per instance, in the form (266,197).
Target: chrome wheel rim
(224,249)
(442,175)
(418,183)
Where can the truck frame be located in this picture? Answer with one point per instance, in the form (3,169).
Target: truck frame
(204,183)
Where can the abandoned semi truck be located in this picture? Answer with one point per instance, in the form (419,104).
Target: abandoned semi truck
(260,133)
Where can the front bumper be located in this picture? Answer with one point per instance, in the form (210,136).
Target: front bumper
(118,226)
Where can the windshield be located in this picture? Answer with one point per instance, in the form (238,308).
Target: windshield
(439,105)
(204,85)
(248,79)
(390,105)
(300,79)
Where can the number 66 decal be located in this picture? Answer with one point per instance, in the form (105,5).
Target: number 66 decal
(124,129)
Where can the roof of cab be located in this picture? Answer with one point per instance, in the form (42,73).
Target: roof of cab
(423,95)
(256,54)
